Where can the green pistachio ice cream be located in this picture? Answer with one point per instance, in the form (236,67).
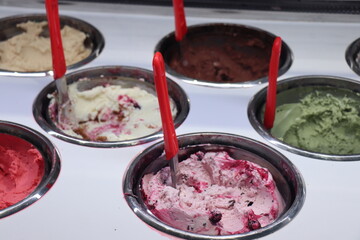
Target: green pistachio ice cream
(321,122)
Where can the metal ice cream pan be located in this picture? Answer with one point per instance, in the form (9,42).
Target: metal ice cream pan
(94,39)
(51,164)
(287,177)
(169,47)
(124,76)
(352,56)
(291,90)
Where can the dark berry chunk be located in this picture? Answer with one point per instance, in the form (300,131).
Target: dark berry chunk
(253,224)
(199,155)
(215,217)
(231,203)
(250,203)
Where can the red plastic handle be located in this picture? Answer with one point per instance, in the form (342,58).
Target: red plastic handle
(270,107)
(170,139)
(57,52)
(180,21)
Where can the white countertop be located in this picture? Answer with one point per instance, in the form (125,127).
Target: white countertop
(86,202)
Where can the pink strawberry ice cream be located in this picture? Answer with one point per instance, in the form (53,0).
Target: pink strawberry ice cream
(21,169)
(215,195)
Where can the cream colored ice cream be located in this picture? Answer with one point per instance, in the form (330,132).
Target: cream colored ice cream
(30,52)
(113,113)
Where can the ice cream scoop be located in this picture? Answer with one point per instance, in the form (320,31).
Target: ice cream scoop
(180,20)
(64,108)
(270,108)
(170,139)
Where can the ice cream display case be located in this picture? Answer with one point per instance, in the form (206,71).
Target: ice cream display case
(98,192)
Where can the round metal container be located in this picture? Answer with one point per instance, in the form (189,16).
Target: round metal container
(288,91)
(94,41)
(352,56)
(218,32)
(51,163)
(114,75)
(288,179)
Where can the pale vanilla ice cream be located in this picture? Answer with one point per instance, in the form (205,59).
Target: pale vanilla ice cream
(112,113)
(31,52)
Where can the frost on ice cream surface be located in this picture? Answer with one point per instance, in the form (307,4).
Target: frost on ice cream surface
(215,195)
(112,113)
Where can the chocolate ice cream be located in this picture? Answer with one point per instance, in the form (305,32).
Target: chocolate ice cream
(221,53)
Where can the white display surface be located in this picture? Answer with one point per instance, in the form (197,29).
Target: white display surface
(87,202)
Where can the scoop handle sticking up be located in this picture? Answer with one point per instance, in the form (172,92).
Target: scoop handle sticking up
(270,108)
(170,140)
(57,52)
(180,20)
(65,114)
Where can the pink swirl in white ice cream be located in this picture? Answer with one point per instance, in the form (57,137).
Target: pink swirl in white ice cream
(112,112)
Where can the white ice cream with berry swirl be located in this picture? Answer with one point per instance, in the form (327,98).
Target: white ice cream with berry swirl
(112,113)
(215,195)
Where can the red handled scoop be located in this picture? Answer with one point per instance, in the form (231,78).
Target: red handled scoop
(180,21)
(58,59)
(270,107)
(65,114)
(170,139)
